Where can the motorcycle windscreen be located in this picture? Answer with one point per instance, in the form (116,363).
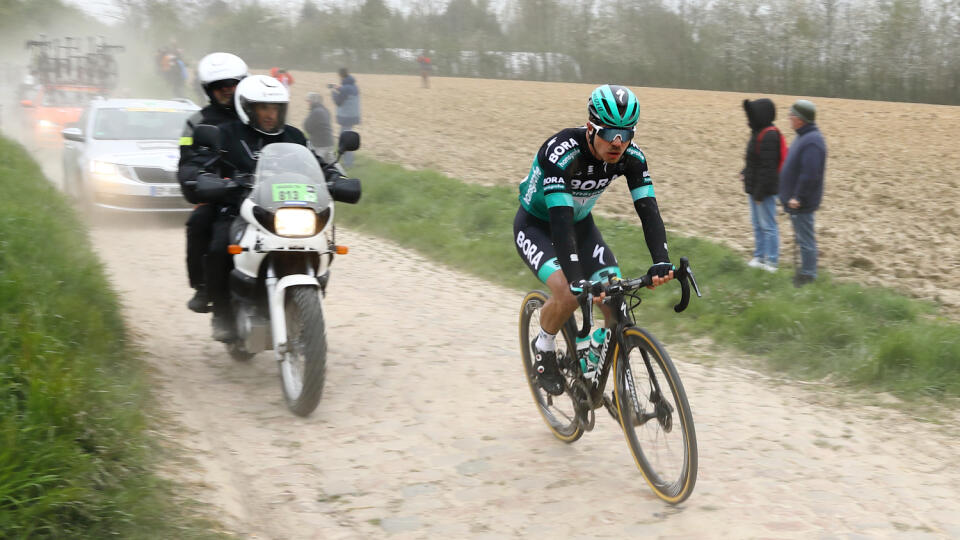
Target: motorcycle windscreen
(288,175)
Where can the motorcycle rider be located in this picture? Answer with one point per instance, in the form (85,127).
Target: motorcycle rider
(219,74)
(261,103)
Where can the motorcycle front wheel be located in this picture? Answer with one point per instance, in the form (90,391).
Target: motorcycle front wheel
(303,369)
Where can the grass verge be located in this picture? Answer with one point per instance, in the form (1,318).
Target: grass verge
(75,459)
(861,336)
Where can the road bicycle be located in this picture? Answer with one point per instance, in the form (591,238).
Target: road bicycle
(647,400)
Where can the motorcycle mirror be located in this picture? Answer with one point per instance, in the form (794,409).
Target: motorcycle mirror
(72,134)
(349,141)
(207,135)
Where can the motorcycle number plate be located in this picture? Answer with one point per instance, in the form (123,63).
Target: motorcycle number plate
(164,191)
(294,192)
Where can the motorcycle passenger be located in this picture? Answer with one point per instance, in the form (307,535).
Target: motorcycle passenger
(218,74)
(554,231)
(261,103)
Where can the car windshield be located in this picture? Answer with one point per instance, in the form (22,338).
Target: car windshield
(130,124)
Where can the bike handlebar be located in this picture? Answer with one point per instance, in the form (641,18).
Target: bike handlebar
(614,287)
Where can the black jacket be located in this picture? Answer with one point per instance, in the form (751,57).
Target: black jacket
(760,176)
(241,146)
(189,166)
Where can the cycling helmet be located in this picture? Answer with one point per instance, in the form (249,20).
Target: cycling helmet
(613,106)
(217,67)
(261,89)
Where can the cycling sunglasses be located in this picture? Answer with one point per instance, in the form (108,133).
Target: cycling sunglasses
(609,134)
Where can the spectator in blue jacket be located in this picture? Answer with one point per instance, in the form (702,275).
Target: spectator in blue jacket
(801,185)
(346,96)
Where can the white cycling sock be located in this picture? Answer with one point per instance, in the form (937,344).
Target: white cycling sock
(546,342)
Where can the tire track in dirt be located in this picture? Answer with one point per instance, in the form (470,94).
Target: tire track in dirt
(427,430)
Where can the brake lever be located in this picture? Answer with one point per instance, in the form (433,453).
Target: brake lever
(586,309)
(693,281)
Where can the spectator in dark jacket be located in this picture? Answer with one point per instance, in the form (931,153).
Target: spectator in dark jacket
(761,181)
(346,96)
(317,126)
(801,185)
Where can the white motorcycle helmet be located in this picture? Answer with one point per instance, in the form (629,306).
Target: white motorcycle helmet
(258,89)
(222,68)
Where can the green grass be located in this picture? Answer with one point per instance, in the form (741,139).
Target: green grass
(862,336)
(75,459)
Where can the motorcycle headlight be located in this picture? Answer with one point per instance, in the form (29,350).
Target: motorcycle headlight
(295,222)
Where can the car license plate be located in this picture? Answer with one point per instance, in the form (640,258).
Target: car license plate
(164,191)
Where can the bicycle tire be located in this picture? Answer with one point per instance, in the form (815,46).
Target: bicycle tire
(673,484)
(563,424)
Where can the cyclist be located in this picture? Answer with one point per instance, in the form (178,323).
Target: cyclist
(554,231)
(219,74)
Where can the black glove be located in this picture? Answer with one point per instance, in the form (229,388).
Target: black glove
(660,269)
(243,180)
(213,189)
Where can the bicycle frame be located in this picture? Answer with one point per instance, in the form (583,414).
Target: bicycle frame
(621,319)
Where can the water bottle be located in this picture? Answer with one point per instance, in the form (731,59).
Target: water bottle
(588,351)
(583,352)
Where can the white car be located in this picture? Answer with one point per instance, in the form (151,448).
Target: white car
(122,154)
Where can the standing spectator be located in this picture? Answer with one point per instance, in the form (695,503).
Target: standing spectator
(346,96)
(801,185)
(284,77)
(317,126)
(426,67)
(760,177)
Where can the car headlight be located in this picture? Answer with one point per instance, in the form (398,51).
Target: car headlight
(46,124)
(295,222)
(104,168)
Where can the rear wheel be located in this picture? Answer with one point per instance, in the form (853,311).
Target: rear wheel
(655,416)
(558,412)
(304,365)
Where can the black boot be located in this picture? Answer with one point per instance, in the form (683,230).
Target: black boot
(200,302)
(223,329)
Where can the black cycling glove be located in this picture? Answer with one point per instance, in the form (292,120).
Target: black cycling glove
(661,269)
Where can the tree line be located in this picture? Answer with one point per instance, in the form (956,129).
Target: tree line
(897,50)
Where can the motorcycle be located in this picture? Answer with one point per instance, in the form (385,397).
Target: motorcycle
(283,243)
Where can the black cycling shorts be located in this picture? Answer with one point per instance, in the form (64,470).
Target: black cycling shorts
(531,237)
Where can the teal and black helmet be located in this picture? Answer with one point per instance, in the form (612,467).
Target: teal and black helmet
(614,106)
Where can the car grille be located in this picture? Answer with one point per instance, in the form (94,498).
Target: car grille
(153,175)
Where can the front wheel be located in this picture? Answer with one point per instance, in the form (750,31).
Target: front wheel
(558,412)
(304,365)
(655,416)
